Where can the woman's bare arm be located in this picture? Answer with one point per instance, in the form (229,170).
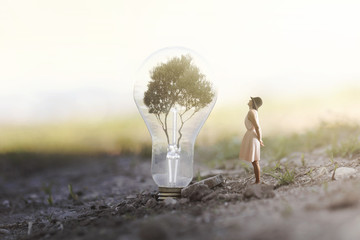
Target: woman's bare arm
(256,125)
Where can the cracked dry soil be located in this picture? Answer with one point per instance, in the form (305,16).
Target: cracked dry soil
(115,198)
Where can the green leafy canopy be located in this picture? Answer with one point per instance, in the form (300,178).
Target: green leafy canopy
(177,82)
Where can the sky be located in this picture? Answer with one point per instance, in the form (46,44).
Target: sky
(77,59)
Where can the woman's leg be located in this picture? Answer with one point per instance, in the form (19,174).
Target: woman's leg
(256,166)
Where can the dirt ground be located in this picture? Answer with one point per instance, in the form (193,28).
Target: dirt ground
(114,198)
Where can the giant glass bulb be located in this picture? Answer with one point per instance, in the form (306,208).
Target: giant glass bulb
(175,94)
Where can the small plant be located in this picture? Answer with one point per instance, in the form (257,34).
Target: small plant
(332,158)
(285,178)
(309,173)
(198,176)
(303,163)
(245,166)
(50,200)
(335,166)
(270,170)
(73,195)
(50,217)
(277,166)
(47,188)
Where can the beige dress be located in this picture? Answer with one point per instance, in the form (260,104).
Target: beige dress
(250,145)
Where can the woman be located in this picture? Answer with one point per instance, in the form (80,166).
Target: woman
(250,145)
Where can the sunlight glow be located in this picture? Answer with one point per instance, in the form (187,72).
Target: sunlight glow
(64,59)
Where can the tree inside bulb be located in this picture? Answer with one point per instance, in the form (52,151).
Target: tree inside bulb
(174,97)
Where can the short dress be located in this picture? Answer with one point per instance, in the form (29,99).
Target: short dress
(250,145)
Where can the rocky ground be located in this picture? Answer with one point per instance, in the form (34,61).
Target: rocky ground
(115,198)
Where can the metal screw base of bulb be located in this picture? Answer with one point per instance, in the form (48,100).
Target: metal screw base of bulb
(166,192)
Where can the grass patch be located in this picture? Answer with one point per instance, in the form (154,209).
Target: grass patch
(335,166)
(130,136)
(279,147)
(246,167)
(72,195)
(309,173)
(271,169)
(346,148)
(47,188)
(281,173)
(198,176)
(285,178)
(111,136)
(324,135)
(303,162)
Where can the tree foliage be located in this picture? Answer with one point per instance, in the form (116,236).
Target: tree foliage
(177,82)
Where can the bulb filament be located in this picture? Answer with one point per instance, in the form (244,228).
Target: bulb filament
(173,154)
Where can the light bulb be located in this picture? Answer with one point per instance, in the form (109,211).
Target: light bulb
(174,93)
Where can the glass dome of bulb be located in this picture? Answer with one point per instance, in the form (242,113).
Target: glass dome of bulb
(175,93)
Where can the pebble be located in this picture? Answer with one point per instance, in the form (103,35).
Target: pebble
(321,171)
(183,200)
(151,203)
(196,192)
(208,183)
(131,197)
(213,181)
(344,172)
(6,203)
(4,231)
(210,196)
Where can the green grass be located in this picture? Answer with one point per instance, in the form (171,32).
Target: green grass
(309,173)
(129,135)
(281,173)
(47,188)
(112,136)
(280,146)
(285,178)
(72,195)
(272,168)
(325,135)
(303,162)
(245,167)
(198,176)
(335,166)
(346,148)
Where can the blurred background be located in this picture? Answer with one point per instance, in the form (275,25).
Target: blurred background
(67,68)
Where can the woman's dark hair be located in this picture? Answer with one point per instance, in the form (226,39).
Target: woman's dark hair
(253,104)
(256,102)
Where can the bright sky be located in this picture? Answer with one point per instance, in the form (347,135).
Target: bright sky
(72,58)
